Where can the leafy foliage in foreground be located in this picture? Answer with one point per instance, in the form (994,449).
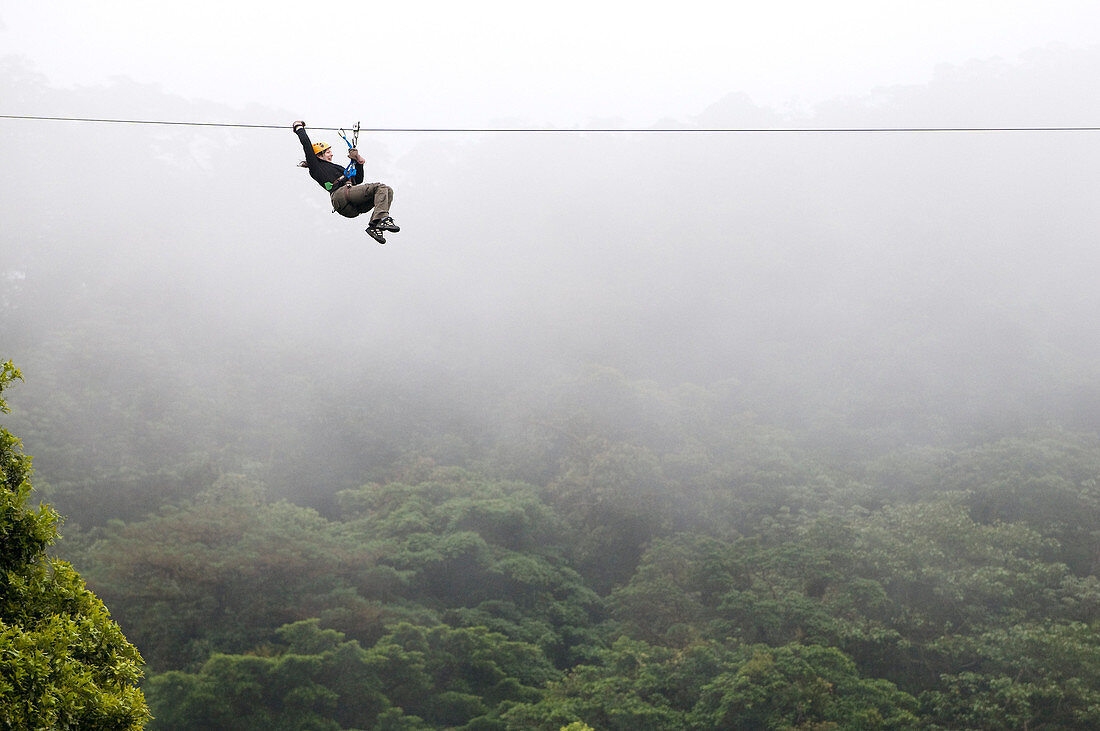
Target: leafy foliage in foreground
(63,662)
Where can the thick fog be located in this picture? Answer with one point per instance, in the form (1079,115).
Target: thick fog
(861,281)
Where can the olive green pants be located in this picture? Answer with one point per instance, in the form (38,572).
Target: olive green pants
(352,200)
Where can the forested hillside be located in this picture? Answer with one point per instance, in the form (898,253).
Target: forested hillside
(631,557)
(818,449)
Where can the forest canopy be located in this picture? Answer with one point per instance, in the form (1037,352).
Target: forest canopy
(636,559)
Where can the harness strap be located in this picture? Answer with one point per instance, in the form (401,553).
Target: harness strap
(349,171)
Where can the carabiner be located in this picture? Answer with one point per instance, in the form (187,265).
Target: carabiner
(354,139)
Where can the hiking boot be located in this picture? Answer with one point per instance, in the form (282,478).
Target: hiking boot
(376,234)
(386,224)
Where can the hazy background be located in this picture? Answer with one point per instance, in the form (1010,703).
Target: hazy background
(430,63)
(867,289)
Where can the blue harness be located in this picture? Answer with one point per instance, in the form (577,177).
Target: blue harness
(349,171)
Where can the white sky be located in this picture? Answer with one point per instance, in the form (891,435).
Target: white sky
(565,63)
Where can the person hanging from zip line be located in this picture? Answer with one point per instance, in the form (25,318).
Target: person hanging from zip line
(350,196)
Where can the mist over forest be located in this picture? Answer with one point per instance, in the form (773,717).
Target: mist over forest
(932,286)
(720,330)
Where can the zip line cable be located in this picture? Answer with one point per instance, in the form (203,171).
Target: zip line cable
(148,121)
(547,130)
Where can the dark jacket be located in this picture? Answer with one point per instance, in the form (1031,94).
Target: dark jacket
(324,171)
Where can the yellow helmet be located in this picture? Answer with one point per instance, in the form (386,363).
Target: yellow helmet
(319,147)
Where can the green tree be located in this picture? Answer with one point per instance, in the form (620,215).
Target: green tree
(1032,675)
(312,679)
(413,678)
(907,592)
(63,662)
(801,687)
(478,554)
(226,570)
(634,685)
